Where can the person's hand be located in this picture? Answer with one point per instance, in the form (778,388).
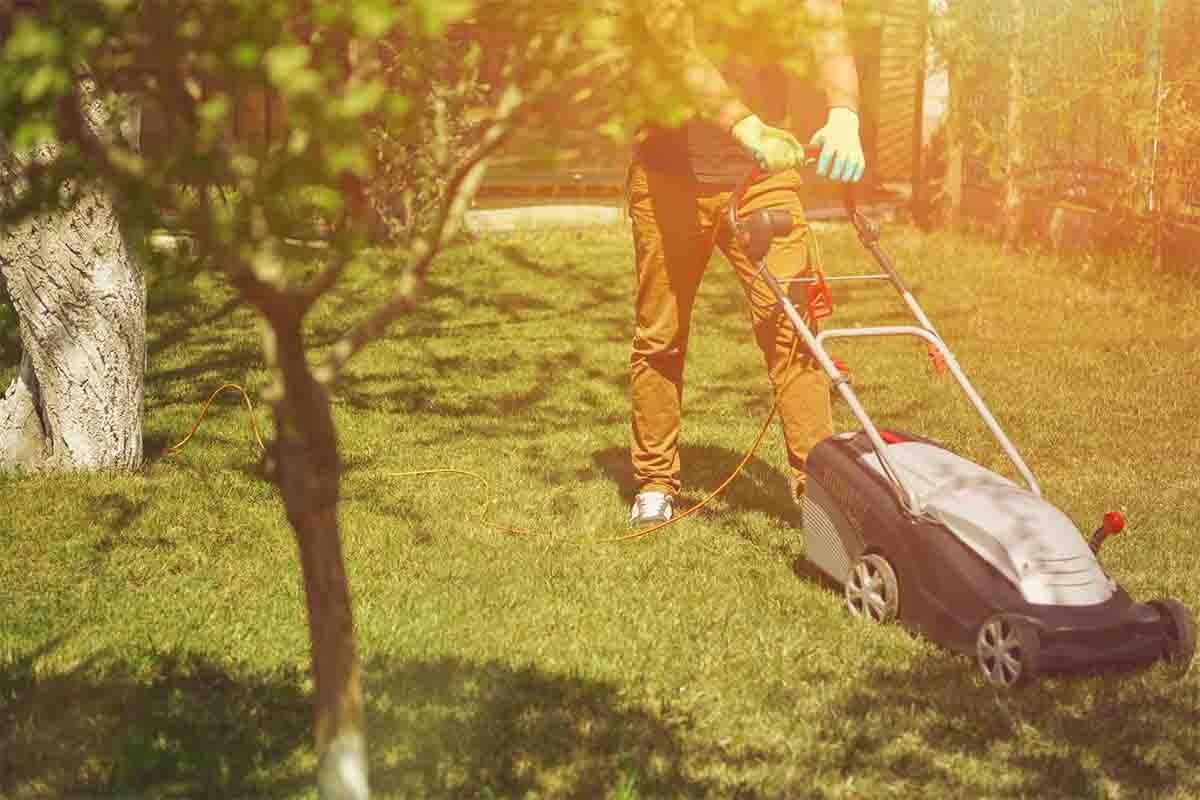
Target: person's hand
(773,148)
(840,146)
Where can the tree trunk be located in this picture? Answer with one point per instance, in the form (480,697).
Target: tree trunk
(1016,102)
(307,470)
(79,291)
(951,200)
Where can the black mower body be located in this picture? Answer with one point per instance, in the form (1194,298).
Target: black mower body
(947,591)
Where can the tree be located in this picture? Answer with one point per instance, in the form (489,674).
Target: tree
(79,291)
(409,134)
(1085,105)
(945,206)
(1015,156)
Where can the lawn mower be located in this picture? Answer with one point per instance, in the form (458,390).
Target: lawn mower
(915,533)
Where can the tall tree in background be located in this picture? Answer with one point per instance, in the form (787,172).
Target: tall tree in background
(1086,99)
(1015,155)
(948,42)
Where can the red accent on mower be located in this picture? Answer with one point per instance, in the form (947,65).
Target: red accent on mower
(935,355)
(819,303)
(1112,524)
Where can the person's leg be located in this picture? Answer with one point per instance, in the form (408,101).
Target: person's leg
(801,386)
(672,248)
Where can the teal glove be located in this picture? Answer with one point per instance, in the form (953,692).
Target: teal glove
(773,148)
(840,144)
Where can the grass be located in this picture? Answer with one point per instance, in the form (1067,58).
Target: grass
(152,629)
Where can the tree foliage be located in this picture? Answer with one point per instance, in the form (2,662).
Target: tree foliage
(390,113)
(1091,95)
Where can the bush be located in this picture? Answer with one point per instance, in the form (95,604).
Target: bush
(410,178)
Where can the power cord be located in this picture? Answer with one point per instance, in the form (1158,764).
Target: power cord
(175,448)
(489,496)
(817,265)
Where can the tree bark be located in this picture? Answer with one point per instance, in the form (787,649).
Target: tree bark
(951,195)
(1016,102)
(308,471)
(79,291)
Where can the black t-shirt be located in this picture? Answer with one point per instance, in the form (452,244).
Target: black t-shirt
(700,148)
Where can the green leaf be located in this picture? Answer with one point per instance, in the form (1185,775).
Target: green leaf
(436,15)
(322,197)
(397,105)
(287,67)
(190,28)
(284,60)
(30,40)
(351,158)
(245,54)
(32,134)
(213,110)
(92,36)
(298,140)
(374,18)
(361,98)
(46,78)
(244,164)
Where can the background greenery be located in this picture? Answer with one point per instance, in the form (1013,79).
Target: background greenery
(152,629)
(1109,86)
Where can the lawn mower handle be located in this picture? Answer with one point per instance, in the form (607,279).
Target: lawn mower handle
(778,225)
(755,233)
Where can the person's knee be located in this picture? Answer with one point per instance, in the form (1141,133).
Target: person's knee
(665,357)
(782,347)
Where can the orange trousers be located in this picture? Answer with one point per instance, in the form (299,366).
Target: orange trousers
(676,224)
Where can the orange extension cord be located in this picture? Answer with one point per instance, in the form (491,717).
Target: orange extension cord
(175,448)
(638,534)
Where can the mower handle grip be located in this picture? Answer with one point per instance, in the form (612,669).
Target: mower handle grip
(811,152)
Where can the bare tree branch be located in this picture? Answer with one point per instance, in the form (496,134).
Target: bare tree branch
(513,106)
(307,296)
(462,187)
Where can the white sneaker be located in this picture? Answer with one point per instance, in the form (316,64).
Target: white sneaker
(650,508)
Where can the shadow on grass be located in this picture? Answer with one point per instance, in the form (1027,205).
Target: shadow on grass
(161,724)
(759,486)
(165,336)
(224,357)
(1122,734)
(451,728)
(184,725)
(117,511)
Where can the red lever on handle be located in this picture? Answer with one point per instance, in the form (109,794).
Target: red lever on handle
(819,303)
(935,355)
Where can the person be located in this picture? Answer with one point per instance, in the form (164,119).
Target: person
(680,180)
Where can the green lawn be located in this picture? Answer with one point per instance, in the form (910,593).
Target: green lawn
(152,628)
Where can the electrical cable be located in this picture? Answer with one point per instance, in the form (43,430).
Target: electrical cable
(639,534)
(815,255)
(173,449)
(482,509)
(489,497)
